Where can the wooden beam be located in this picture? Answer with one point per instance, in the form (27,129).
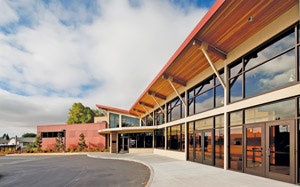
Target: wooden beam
(158,95)
(210,48)
(146,104)
(139,111)
(174,79)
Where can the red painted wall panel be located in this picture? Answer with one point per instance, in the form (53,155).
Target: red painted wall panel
(92,139)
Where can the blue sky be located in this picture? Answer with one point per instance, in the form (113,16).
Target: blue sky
(55,53)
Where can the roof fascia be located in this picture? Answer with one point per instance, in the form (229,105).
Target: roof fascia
(190,37)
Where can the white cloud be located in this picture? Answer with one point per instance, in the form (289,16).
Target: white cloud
(113,49)
(8,15)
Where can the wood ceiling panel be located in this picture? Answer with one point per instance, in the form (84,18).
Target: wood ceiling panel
(227,28)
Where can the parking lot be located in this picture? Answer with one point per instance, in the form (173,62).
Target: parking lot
(77,170)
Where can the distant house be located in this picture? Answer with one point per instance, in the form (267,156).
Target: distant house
(22,142)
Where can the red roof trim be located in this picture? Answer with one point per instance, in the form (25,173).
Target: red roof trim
(190,37)
(113,109)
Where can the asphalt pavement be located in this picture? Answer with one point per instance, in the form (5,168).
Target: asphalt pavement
(75,170)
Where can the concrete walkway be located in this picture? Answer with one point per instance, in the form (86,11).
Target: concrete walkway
(166,171)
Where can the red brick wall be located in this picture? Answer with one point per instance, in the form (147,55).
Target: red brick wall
(92,139)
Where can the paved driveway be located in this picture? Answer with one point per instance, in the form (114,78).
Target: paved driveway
(47,171)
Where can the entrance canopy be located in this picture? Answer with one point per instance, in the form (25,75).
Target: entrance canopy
(124,130)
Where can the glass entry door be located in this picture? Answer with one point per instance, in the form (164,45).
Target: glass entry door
(123,144)
(254,149)
(280,162)
(203,146)
(269,150)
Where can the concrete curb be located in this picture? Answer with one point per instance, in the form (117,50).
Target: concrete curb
(46,154)
(130,160)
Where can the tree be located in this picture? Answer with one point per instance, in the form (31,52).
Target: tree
(59,143)
(81,114)
(81,144)
(29,135)
(5,136)
(38,142)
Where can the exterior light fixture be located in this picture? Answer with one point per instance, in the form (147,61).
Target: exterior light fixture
(251,19)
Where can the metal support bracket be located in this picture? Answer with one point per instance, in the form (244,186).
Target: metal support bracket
(203,48)
(177,93)
(147,113)
(158,104)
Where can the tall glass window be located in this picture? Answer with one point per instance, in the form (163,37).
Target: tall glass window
(275,111)
(159,116)
(175,109)
(113,120)
(191,129)
(148,120)
(267,68)
(159,138)
(176,137)
(219,141)
(206,95)
(236,148)
(130,121)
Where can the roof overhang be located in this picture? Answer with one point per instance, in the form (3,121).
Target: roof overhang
(225,26)
(128,130)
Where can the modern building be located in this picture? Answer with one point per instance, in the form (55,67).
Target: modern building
(229,97)
(69,135)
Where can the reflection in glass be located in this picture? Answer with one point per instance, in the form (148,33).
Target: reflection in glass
(236,149)
(271,75)
(191,141)
(219,96)
(275,111)
(113,120)
(159,116)
(197,145)
(236,118)
(219,121)
(219,147)
(159,138)
(236,88)
(176,137)
(236,69)
(130,121)
(207,146)
(204,124)
(204,101)
(280,149)
(271,50)
(254,147)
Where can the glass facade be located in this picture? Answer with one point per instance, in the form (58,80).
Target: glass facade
(159,116)
(130,121)
(275,111)
(140,140)
(176,137)
(113,120)
(159,138)
(206,95)
(251,132)
(148,120)
(175,109)
(236,148)
(219,141)
(269,67)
